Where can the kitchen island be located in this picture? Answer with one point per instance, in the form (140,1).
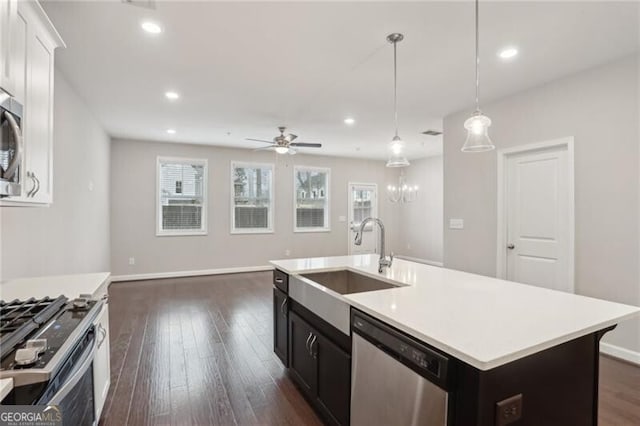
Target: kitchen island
(504,339)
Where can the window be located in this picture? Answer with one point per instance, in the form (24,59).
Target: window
(182,196)
(251,198)
(311,199)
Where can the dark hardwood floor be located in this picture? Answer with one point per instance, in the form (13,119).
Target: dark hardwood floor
(198,351)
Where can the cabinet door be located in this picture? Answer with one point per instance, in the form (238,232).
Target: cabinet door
(334,380)
(39,116)
(101,367)
(302,364)
(281,326)
(8,10)
(18,55)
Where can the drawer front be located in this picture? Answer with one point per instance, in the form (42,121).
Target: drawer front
(281,280)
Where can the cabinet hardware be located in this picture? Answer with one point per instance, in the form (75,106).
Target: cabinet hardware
(511,246)
(311,352)
(33,188)
(33,175)
(283,306)
(306,345)
(279,280)
(103,334)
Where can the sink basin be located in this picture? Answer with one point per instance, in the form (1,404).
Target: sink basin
(347,282)
(310,290)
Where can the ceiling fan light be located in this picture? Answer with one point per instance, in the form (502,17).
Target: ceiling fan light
(477,133)
(282,149)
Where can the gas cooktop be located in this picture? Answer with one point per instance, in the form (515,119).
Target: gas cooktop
(37,335)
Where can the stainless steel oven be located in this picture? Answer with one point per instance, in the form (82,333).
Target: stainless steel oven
(48,347)
(11,145)
(72,388)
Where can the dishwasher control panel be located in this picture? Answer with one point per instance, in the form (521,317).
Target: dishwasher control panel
(416,355)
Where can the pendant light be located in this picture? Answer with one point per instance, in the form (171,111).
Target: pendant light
(478,124)
(397,157)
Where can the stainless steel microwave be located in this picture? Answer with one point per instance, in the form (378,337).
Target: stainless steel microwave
(11,145)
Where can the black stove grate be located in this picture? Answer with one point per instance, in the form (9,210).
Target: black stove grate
(18,319)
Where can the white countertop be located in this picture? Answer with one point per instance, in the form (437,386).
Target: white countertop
(5,387)
(483,321)
(70,286)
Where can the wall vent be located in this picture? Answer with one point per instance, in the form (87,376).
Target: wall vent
(432,132)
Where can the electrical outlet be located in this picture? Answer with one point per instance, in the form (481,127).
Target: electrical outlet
(408,246)
(287,252)
(132,261)
(509,410)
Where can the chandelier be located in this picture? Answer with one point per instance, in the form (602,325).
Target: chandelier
(402,193)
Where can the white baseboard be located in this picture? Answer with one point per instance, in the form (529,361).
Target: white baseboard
(620,353)
(179,274)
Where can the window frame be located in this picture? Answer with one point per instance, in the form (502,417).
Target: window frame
(271,217)
(327,227)
(205,210)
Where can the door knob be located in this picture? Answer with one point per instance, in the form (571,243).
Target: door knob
(510,246)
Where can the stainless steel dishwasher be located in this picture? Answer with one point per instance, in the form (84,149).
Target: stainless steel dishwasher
(395,380)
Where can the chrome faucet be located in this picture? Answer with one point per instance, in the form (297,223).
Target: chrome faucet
(383,261)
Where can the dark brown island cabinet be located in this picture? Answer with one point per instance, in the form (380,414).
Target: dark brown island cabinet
(555,387)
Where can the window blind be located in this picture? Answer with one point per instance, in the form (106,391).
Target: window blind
(252,196)
(181,196)
(311,198)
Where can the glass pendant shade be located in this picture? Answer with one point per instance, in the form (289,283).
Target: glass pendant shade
(396,153)
(282,149)
(477,134)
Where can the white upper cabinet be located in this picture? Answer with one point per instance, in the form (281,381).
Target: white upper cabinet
(28,41)
(8,13)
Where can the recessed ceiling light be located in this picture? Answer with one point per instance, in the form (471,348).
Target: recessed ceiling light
(171,131)
(508,53)
(350,121)
(151,27)
(172,95)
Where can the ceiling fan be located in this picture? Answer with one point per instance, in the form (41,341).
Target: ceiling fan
(283,144)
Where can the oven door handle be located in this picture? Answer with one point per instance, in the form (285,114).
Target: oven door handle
(78,372)
(12,167)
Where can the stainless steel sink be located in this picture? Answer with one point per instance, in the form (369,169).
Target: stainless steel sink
(347,282)
(310,290)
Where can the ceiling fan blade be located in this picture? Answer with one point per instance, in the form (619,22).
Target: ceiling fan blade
(307,145)
(291,137)
(292,151)
(259,140)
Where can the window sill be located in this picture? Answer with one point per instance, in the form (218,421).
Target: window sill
(310,230)
(182,234)
(251,231)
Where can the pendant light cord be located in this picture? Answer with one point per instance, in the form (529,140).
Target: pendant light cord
(395,84)
(477,58)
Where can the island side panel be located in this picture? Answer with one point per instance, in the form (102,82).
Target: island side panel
(559,386)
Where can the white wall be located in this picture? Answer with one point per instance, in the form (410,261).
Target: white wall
(133,213)
(72,235)
(420,224)
(599,108)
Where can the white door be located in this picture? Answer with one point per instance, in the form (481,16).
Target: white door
(538,198)
(363,203)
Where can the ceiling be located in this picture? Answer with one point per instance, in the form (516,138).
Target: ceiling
(244,68)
